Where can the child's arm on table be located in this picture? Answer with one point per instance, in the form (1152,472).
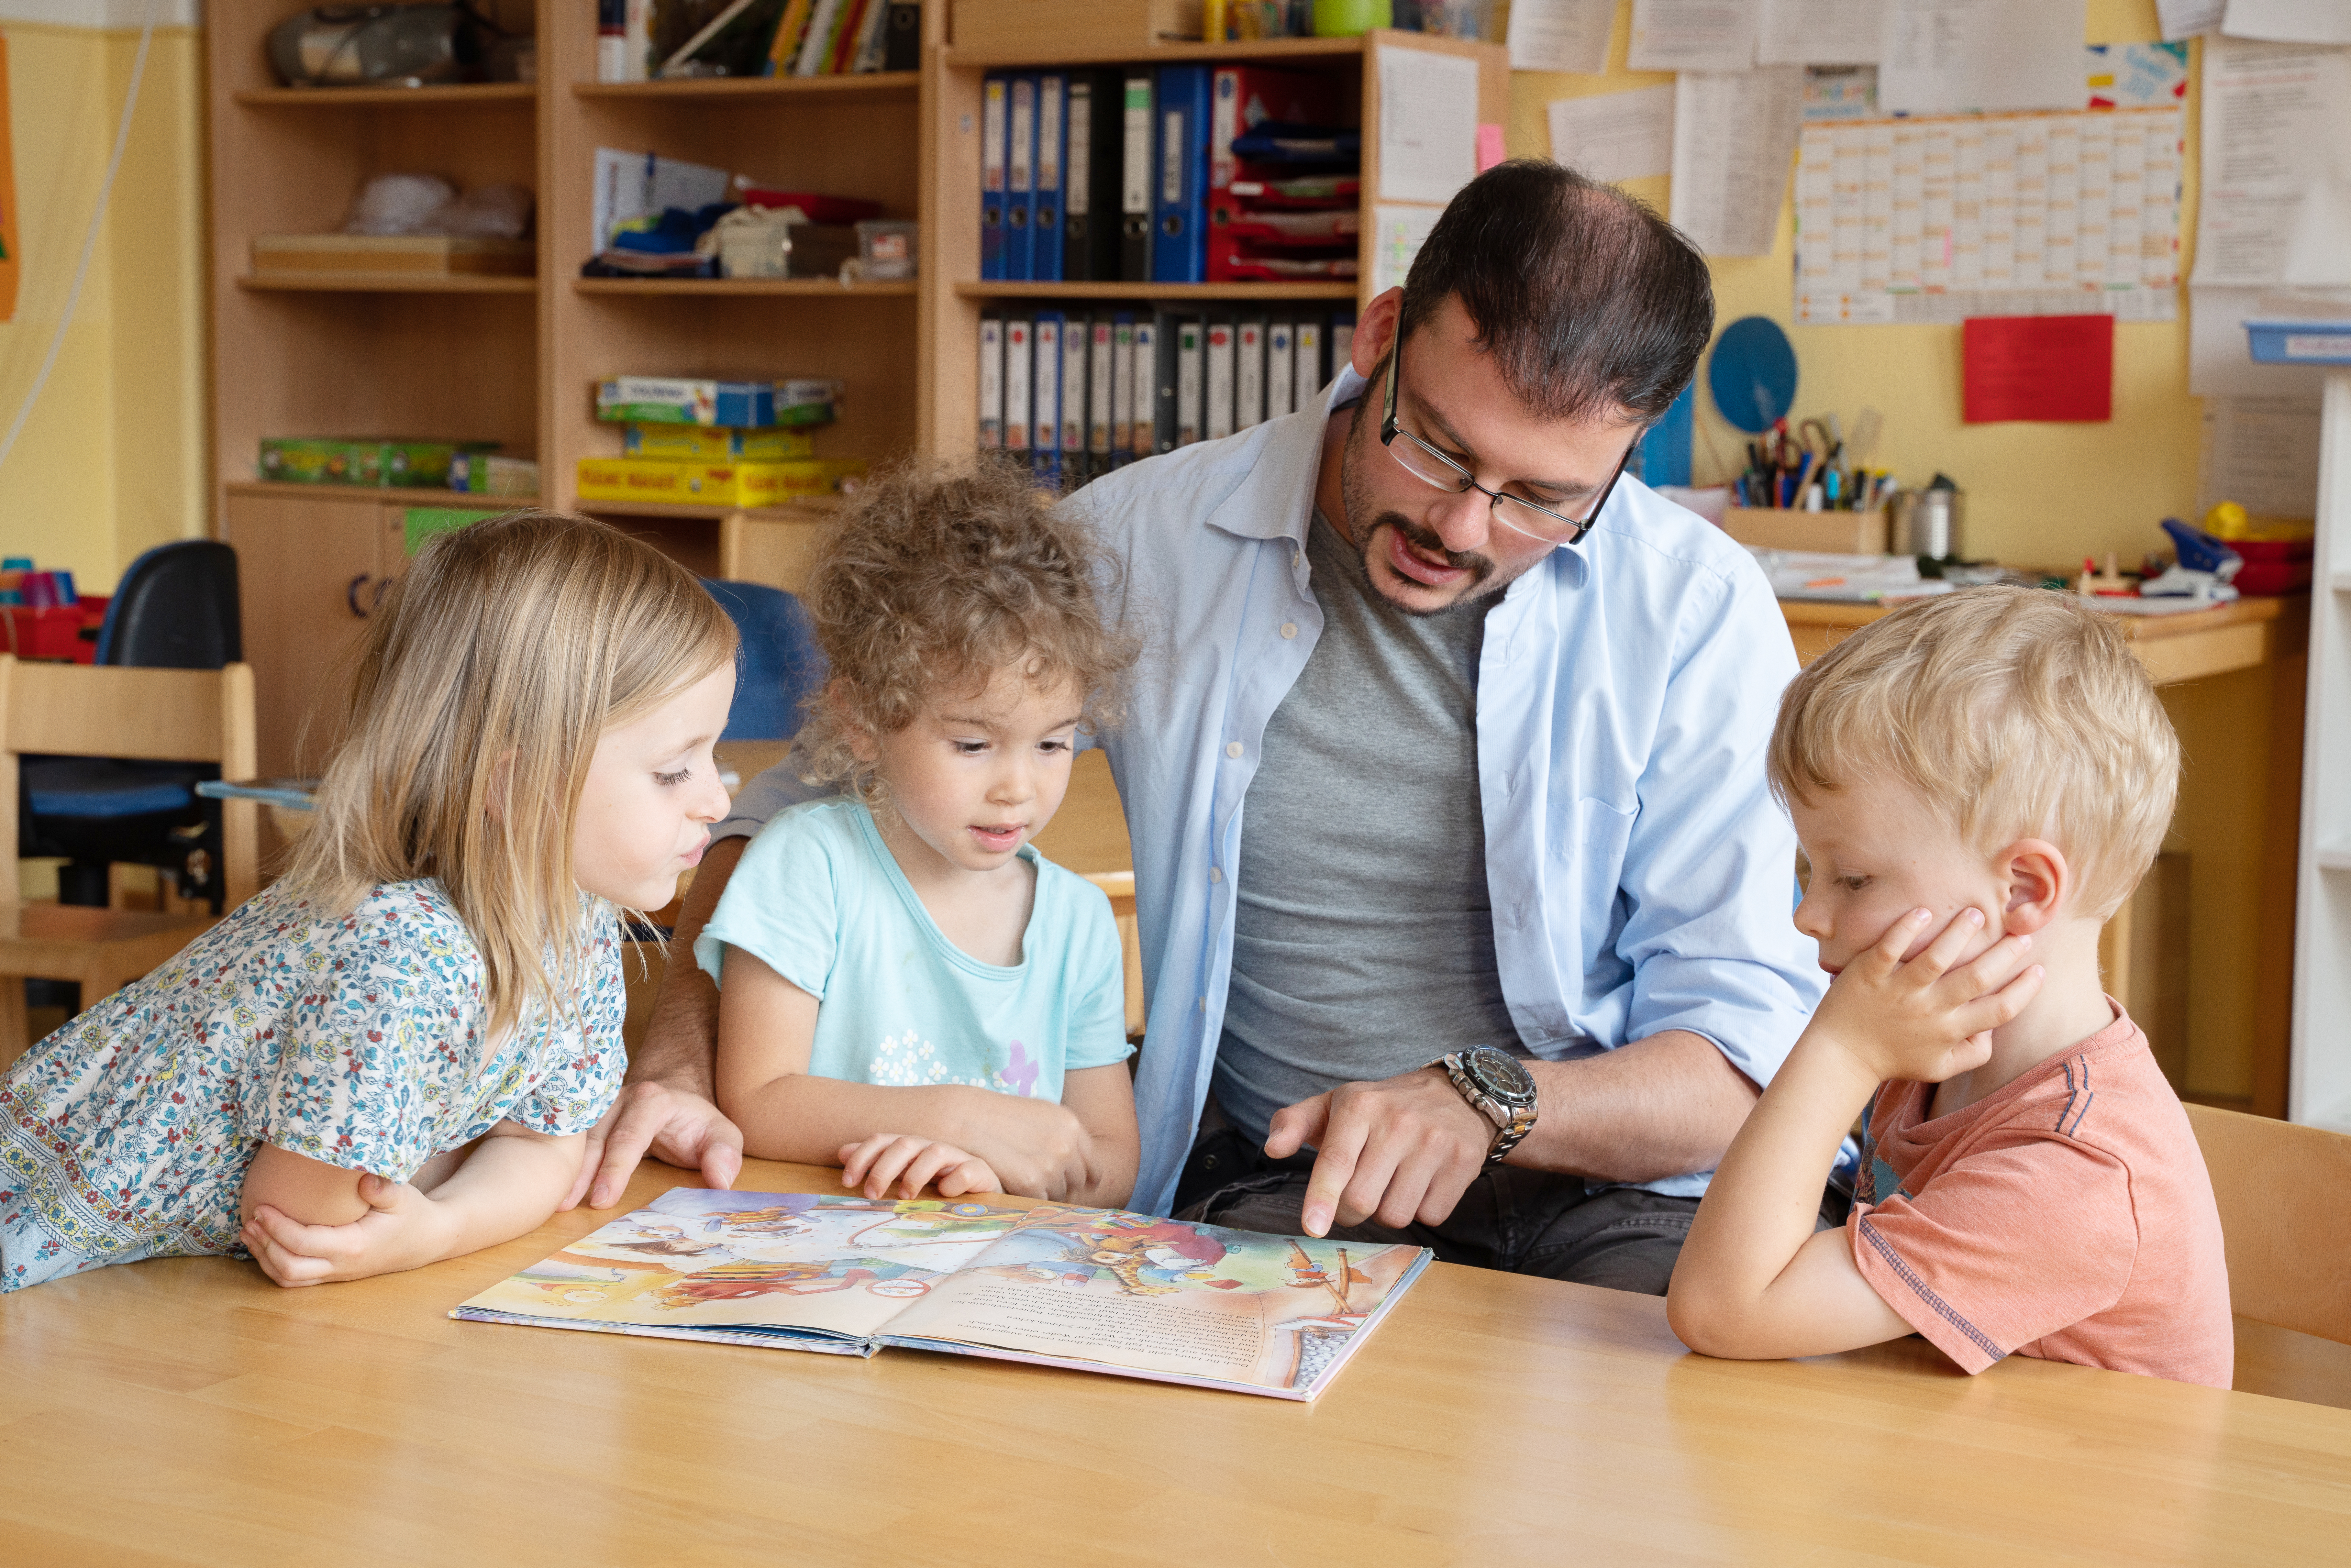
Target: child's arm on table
(1103,1100)
(1754,1280)
(307,1222)
(767,1031)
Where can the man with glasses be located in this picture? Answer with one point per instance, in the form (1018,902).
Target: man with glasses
(1463,901)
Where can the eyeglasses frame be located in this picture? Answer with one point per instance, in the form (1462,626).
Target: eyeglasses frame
(1390,430)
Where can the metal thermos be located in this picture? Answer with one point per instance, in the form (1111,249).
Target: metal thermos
(1930,523)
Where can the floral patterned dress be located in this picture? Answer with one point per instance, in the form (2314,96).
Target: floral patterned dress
(361,1042)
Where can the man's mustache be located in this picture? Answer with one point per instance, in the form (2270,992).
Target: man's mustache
(1426,540)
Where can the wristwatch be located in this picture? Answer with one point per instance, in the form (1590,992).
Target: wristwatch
(1499,1086)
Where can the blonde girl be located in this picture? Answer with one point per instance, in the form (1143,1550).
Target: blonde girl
(906,988)
(392,1055)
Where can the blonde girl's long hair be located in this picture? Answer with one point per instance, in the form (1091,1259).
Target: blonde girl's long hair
(475,700)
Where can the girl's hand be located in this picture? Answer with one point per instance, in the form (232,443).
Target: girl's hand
(886,1157)
(1930,1018)
(401,1229)
(1039,1149)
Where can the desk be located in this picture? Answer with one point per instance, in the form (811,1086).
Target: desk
(186,1411)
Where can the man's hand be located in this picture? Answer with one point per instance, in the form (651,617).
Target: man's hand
(675,1124)
(887,1157)
(1404,1148)
(1930,1019)
(401,1229)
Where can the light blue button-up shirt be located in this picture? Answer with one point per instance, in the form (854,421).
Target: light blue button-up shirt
(1639,869)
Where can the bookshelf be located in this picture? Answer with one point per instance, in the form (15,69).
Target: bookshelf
(513,359)
(953,294)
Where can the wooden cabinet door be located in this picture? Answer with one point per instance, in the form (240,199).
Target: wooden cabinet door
(308,572)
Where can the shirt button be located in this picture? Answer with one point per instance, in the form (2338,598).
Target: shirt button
(1289,630)
(1216,874)
(1232,748)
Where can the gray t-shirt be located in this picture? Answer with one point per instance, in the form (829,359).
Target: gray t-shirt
(1363,936)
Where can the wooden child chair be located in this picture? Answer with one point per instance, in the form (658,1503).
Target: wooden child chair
(2280,1189)
(164,715)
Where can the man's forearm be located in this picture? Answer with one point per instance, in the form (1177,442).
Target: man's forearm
(681,1039)
(1662,1106)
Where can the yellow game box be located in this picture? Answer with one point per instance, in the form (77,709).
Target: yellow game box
(710,483)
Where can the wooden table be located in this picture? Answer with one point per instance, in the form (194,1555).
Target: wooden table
(186,1411)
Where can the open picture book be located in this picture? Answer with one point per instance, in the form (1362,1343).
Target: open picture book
(1098,1289)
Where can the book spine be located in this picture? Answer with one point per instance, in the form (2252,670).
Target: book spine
(1123,386)
(819,33)
(1102,391)
(637,39)
(991,380)
(1019,367)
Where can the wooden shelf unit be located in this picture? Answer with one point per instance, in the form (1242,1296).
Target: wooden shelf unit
(388,283)
(430,95)
(902,87)
(953,292)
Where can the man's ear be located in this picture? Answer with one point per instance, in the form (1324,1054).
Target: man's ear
(2040,885)
(1376,331)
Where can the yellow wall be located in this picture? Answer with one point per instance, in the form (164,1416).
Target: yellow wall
(2042,495)
(112,460)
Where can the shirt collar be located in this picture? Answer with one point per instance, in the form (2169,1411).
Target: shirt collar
(1277,500)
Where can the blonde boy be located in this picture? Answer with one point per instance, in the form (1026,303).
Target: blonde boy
(1978,781)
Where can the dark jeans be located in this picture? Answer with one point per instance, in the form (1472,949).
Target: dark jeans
(1521,1221)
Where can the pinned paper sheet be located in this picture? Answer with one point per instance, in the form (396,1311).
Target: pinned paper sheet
(1692,36)
(2022,214)
(1398,234)
(2262,453)
(1491,150)
(1561,35)
(1428,124)
(1942,56)
(1733,133)
(1819,32)
(2289,21)
(2185,18)
(1614,136)
(2276,205)
(2058,368)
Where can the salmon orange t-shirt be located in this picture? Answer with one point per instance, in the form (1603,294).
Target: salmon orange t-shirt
(2067,1215)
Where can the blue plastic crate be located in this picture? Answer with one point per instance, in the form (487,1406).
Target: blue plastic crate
(2300,343)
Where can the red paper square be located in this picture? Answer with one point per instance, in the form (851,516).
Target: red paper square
(2058,367)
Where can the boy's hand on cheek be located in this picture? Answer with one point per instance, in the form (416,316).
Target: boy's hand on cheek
(1930,1018)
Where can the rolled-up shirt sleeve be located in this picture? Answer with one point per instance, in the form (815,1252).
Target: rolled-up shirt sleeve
(1710,867)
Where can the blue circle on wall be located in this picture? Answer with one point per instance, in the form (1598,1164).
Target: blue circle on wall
(1753,375)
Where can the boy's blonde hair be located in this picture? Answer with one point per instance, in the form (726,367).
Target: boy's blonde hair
(938,576)
(475,700)
(2014,712)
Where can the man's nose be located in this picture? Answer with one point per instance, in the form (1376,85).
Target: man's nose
(1462,521)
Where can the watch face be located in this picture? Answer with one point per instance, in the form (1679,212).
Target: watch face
(1497,1073)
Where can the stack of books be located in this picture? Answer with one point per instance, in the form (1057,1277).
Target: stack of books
(642,39)
(1167,174)
(1077,393)
(714,443)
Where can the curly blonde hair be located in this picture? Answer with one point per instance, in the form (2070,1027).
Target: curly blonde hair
(938,577)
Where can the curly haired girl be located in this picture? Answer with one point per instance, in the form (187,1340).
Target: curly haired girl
(906,986)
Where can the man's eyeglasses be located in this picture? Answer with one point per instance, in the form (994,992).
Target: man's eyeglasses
(1430,466)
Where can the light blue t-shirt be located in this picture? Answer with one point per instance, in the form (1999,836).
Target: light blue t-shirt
(818,898)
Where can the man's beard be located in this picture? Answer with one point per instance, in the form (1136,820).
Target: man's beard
(1361,525)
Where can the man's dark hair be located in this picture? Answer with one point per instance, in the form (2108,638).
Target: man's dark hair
(1587,299)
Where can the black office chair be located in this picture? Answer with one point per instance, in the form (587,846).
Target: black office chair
(176,609)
